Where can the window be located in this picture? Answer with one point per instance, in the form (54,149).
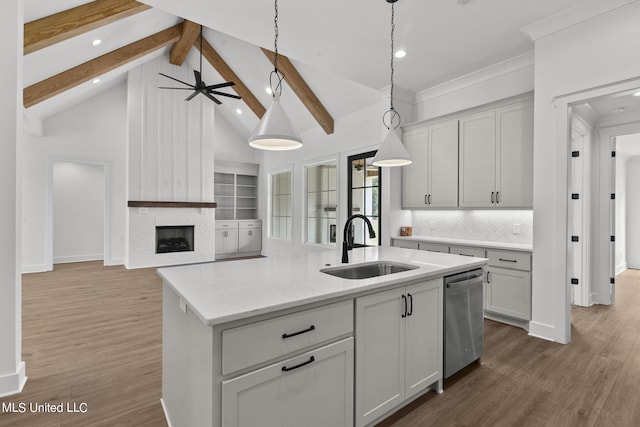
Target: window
(321,202)
(364,197)
(280,215)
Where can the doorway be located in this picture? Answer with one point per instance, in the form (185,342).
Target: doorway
(77,217)
(604,138)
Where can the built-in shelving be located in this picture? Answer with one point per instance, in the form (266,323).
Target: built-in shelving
(236,195)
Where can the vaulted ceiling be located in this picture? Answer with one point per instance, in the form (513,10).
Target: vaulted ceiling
(340,49)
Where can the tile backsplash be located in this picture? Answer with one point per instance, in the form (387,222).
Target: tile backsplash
(491,225)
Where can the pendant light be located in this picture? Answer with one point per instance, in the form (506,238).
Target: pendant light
(392,152)
(275,131)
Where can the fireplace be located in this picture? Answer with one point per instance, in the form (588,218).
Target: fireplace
(175,238)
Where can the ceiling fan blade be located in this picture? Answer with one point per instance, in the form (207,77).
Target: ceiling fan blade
(198,77)
(219,85)
(193,95)
(179,81)
(215,92)
(211,98)
(179,88)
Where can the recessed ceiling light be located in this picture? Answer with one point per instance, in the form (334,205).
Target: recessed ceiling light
(400,54)
(637,93)
(619,110)
(239,111)
(95,81)
(96,42)
(269,91)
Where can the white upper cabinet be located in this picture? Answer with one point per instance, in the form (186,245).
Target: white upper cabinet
(496,158)
(478,160)
(431,181)
(514,150)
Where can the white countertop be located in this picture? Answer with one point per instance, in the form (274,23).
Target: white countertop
(221,292)
(528,247)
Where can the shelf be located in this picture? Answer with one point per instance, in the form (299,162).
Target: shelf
(158,204)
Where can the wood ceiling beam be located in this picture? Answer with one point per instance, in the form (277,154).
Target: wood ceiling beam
(229,75)
(75,76)
(61,26)
(302,89)
(180,49)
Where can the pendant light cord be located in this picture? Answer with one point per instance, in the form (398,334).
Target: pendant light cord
(393,27)
(279,77)
(392,113)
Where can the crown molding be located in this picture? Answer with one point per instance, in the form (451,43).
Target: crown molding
(572,16)
(501,68)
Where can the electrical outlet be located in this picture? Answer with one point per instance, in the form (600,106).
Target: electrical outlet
(517,228)
(432,225)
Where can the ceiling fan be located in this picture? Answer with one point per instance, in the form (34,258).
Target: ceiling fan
(200,86)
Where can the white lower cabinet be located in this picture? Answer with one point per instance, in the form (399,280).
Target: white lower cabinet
(398,347)
(312,389)
(238,238)
(508,292)
(249,240)
(226,241)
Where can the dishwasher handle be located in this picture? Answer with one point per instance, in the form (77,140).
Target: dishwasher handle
(468,283)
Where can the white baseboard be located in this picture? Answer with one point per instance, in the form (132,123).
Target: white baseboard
(115,261)
(620,268)
(542,331)
(166,415)
(13,383)
(77,258)
(36,268)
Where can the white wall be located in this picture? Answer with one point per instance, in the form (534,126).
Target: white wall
(586,55)
(633,213)
(229,145)
(78,212)
(12,370)
(92,131)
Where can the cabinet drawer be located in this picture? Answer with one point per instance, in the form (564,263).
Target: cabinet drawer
(259,342)
(249,224)
(405,244)
(314,389)
(508,259)
(434,247)
(467,251)
(226,225)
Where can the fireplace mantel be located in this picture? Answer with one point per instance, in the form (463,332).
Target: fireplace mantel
(152,204)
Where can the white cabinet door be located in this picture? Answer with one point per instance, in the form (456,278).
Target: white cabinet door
(508,292)
(314,389)
(477,160)
(250,240)
(226,241)
(442,165)
(380,350)
(423,336)
(415,176)
(514,150)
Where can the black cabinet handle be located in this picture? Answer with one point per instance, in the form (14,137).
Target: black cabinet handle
(404,305)
(410,304)
(492,193)
(309,329)
(497,197)
(311,360)
(507,260)
(488,277)
(429,198)
(426,199)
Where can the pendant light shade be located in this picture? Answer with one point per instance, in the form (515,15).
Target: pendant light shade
(275,131)
(392,152)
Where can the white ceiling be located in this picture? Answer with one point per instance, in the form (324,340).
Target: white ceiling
(340,47)
(629,144)
(623,102)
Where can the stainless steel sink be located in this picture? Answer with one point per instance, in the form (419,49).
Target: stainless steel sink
(367,270)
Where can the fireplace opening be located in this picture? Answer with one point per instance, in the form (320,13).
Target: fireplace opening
(174,239)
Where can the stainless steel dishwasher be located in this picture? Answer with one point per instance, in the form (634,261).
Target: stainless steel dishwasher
(463,313)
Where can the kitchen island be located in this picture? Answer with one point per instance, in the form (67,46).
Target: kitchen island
(271,341)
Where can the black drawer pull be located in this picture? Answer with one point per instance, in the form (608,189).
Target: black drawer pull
(507,260)
(311,360)
(309,329)
(465,254)
(488,281)
(410,305)
(404,305)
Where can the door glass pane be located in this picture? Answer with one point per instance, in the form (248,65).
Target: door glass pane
(321,194)
(281,212)
(364,197)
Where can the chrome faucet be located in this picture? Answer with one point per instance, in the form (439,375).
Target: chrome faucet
(347,246)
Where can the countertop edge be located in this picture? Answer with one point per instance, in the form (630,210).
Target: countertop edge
(522,247)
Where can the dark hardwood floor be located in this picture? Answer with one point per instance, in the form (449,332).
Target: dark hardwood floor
(92,334)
